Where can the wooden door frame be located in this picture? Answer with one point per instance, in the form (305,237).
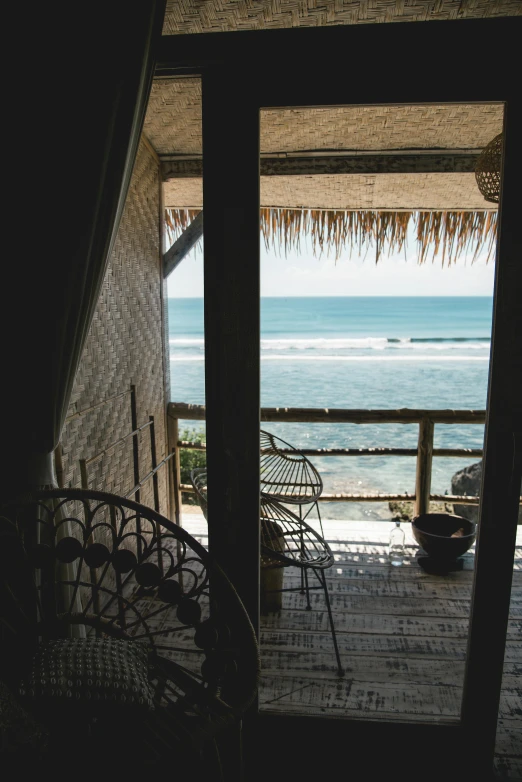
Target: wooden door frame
(242,72)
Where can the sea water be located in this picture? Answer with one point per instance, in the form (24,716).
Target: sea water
(358,352)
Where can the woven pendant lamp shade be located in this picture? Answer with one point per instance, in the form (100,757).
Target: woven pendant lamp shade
(487,170)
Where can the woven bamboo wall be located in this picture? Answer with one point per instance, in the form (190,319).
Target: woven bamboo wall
(173,125)
(352,191)
(124,347)
(207,16)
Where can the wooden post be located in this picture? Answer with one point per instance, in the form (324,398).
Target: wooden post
(502,464)
(424,462)
(136,459)
(154,464)
(232,325)
(155,487)
(135,441)
(232,342)
(175,470)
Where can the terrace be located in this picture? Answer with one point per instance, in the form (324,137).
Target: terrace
(402,632)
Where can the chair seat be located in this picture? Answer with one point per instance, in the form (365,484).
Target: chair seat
(94,674)
(105,580)
(290,540)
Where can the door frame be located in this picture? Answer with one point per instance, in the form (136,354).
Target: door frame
(465,61)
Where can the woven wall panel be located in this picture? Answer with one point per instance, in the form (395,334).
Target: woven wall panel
(200,16)
(381,191)
(173,125)
(173,119)
(350,191)
(380,128)
(124,346)
(184,193)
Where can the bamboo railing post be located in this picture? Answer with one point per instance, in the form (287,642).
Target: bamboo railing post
(175,479)
(135,441)
(155,487)
(154,464)
(136,458)
(424,463)
(175,471)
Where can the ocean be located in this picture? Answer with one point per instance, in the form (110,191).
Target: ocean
(358,352)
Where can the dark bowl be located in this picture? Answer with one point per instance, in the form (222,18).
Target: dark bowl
(433,532)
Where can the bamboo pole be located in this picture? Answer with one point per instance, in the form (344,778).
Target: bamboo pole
(342,415)
(451,499)
(467,453)
(175,471)
(424,464)
(81,413)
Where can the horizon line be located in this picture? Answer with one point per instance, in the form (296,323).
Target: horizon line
(366,296)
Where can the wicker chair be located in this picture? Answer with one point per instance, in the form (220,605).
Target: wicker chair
(120,624)
(286,541)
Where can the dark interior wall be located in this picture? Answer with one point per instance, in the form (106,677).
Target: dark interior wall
(125,346)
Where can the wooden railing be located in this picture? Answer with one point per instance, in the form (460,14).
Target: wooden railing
(424,453)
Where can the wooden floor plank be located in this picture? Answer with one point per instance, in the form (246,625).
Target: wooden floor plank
(508,769)
(402,636)
(509,738)
(379,624)
(352,697)
(346,602)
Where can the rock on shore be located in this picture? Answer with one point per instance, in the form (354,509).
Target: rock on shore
(467,481)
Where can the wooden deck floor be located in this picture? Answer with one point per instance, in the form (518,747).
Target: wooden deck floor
(402,639)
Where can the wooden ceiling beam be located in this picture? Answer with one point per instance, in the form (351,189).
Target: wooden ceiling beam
(415,163)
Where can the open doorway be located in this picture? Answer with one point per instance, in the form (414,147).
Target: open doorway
(376,314)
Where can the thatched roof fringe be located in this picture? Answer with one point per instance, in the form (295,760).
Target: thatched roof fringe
(176,220)
(335,232)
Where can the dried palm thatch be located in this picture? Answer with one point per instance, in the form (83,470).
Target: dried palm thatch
(335,232)
(176,220)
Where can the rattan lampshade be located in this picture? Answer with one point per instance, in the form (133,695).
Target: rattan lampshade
(487,170)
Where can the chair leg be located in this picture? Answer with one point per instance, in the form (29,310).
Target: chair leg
(320,519)
(304,573)
(304,580)
(322,580)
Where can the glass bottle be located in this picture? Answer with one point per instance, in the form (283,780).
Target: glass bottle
(396,546)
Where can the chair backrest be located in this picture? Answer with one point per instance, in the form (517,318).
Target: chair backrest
(198,478)
(106,566)
(286,474)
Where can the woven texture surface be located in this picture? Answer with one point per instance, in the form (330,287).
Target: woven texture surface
(353,191)
(200,16)
(124,347)
(488,168)
(173,125)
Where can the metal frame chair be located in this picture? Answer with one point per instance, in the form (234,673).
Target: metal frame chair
(288,476)
(138,580)
(289,540)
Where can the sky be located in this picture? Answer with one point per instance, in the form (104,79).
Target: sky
(304,275)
